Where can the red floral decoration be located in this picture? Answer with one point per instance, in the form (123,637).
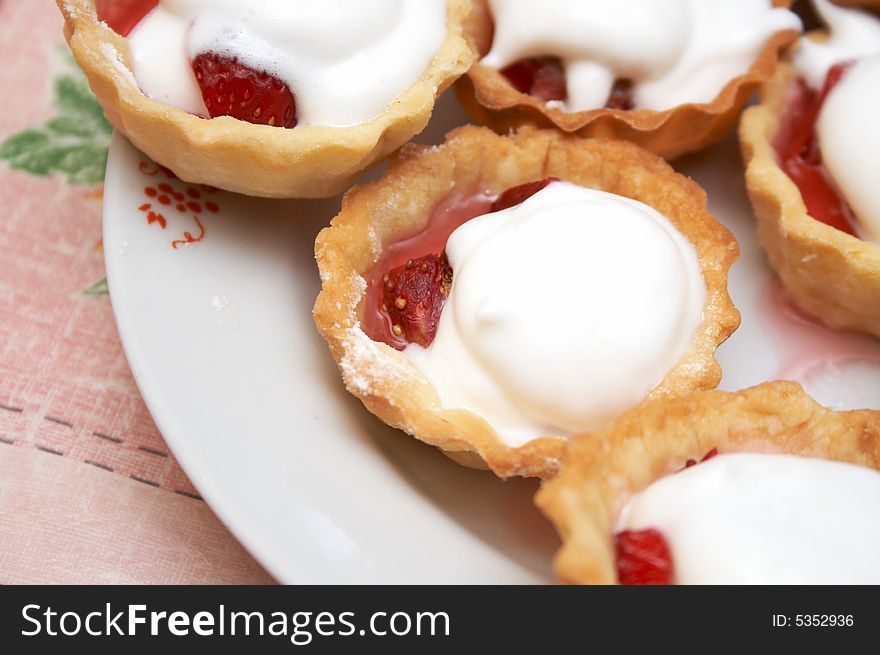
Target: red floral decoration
(173,196)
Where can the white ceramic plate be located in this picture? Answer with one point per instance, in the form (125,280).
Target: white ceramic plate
(221,341)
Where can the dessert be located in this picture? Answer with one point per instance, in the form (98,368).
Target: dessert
(293,100)
(671,76)
(786,492)
(496,294)
(810,147)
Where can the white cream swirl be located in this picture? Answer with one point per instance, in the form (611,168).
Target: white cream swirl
(676,51)
(766,519)
(565,311)
(344,60)
(850,142)
(852,34)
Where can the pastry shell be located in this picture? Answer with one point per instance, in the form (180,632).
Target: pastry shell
(475,160)
(831,275)
(602,471)
(259,160)
(491,100)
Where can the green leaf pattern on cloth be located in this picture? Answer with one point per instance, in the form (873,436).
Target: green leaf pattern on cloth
(73,144)
(99,288)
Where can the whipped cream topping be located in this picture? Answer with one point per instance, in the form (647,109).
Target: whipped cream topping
(852,34)
(850,141)
(766,519)
(564,311)
(676,51)
(344,60)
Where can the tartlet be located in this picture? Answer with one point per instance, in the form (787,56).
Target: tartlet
(476,161)
(602,471)
(259,160)
(491,100)
(831,275)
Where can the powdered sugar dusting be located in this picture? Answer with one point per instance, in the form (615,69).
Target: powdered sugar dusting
(359,290)
(366,360)
(375,241)
(223,304)
(71,10)
(227,309)
(111,53)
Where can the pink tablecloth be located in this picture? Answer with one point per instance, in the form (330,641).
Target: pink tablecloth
(89,491)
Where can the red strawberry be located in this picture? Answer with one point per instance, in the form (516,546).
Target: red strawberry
(542,77)
(693,462)
(230,88)
(519,194)
(643,557)
(798,150)
(414,295)
(621,96)
(712,453)
(803,134)
(122,16)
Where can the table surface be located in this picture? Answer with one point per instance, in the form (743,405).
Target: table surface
(89,491)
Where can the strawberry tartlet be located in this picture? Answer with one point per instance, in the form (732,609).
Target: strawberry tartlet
(763,486)
(271,98)
(811,149)
(670,75)
(496,295)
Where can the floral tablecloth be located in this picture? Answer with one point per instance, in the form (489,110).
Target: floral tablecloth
(89,492)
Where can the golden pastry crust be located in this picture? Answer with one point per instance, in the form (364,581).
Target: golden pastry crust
(602,471)
(492,101)
(475,160)
(259,160)
(829,274)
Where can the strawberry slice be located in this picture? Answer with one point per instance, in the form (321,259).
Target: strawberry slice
(542,77)
(643,557)
(519,194)
(798,150)
(413,297)
(413,294)
(693,462)
(122,16)
(230,88)
(621,96)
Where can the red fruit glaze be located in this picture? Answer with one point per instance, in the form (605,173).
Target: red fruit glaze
(446,217)
(693,462)
(712,453)
(414,295)
(519,194)
(230,88)
(798,150)
(621,96)
(123,15)
(542,77)
(643,557)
